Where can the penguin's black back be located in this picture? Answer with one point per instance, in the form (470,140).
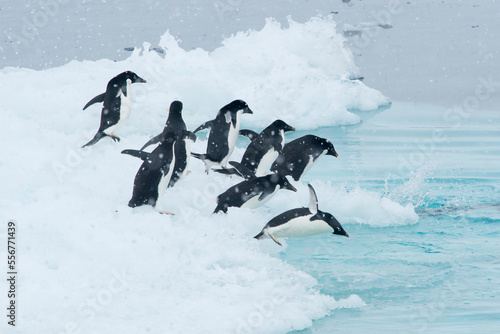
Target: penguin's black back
(150,173)
(145,187)
(286,216)
(268,139)
(296,155)
(218,145)
(174,122)
(239,194)
(110,114)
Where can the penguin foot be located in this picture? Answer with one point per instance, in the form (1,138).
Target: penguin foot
(114,137)
(166,213)
(188,172)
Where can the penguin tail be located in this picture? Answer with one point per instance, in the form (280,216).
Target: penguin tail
(98,136)
(221,207)
(259,236)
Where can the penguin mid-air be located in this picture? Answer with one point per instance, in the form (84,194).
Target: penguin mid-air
(155,172)
(299,155)
(263,150)
(302,222)
(182,147)
(116,105)
(253,192)
(224,130)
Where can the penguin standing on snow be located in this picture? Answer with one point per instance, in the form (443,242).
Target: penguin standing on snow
(253,192)
(263,150)
(224,130)
(182,147)
(116,105)
(299,155)
(155,172)
(302,222)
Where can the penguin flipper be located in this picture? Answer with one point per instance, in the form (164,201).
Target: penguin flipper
(250,134)
(199,156)
(206,125)
(98,98)
(313,200)
(188,135)
(136,153)
(98,136)
(227,171)
(152,141)
(274,239)
(243,171)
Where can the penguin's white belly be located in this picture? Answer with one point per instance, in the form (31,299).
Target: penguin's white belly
(187,142)
(232,137)
(254,202)
(266,162)
(162,185)
(310,164)
(300,227)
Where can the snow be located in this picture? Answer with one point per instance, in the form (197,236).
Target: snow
(88,262)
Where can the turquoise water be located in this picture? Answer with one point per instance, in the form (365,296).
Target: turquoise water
(440,275)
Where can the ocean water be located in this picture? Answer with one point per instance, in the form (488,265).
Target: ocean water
(438,275)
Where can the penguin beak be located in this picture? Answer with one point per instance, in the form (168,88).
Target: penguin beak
(290,128)
(139,79)
(334,153)
(247,111)
(290,187)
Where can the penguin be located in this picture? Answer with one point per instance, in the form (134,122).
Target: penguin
(182,147)
(264,148)
(224,130)
(155,172)
(302,222)
(116,105)
(252,192)
(299,155)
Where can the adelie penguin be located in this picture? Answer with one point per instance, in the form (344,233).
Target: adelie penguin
(299,155)
(116,105)
(253,192)
(264,148)
(224,130)
(182,147)
(155,172)
(302,222)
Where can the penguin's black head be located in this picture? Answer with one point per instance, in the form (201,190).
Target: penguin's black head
(329,146)
(280,125)
(175,107)
(236,106)
(133,77)
(332,221)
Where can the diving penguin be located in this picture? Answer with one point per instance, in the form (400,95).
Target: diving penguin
(299,155)
(263,150)
(116,105)
(253,191)
(302,222)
